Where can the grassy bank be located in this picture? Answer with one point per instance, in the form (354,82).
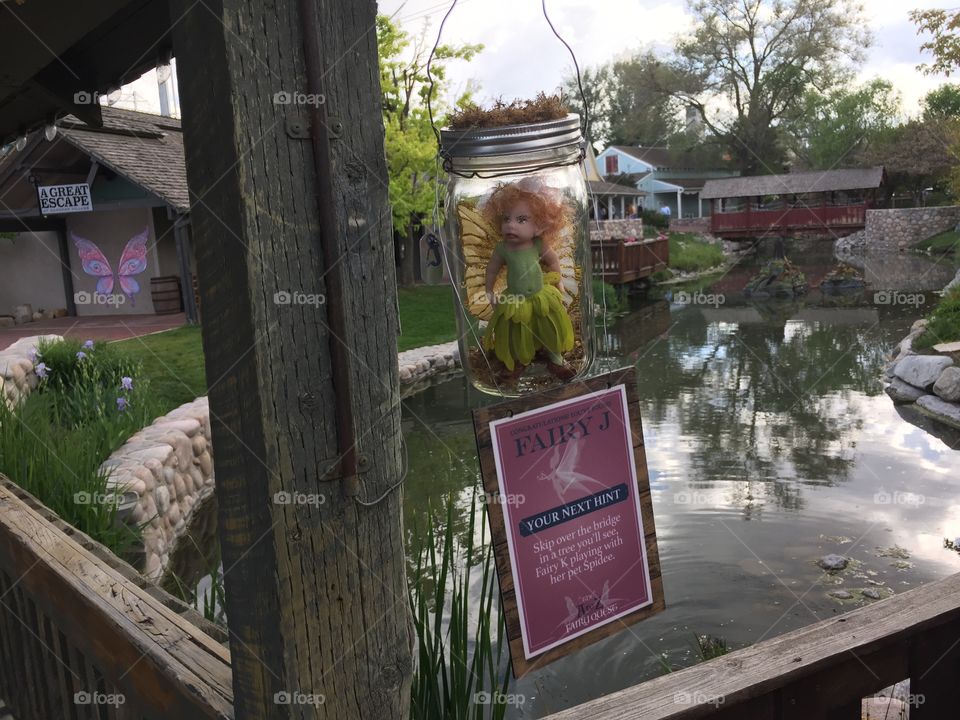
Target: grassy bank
(944,323)
(946,243)
(688,253)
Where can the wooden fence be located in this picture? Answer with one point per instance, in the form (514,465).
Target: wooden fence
(619,262)
(83,635)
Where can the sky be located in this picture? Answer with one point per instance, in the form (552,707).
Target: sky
(521,55)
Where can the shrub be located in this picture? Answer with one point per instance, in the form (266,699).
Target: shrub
(606,297)
(654,218)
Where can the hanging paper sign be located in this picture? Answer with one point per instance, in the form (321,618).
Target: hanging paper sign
(570,512)
(59,199)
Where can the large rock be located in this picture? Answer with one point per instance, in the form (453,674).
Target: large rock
(901,392)
(941,409)
(947,385)
(922,371)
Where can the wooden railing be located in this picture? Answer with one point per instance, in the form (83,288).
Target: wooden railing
(79,627)
(819,672)
(83,635)
(787,219)
(618,262)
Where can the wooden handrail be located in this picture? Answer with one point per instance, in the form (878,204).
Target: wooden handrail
(76,624)
(821,671)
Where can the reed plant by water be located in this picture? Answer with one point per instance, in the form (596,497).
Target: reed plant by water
(90,399)
(463,671)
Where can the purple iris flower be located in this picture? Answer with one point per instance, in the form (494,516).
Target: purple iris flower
(88,344)
(122,404)
(81,355)
(126,383)
(41,370)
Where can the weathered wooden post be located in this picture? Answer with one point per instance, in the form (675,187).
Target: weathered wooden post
(288,181)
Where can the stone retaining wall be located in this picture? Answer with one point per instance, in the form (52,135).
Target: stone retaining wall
(164,471)
(898,229)
(17,374)
(931,382)
(422,362)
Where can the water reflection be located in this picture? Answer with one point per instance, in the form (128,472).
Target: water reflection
(769,443)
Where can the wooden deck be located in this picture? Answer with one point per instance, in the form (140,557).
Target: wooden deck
(619,262)
(825,218)
(75,620)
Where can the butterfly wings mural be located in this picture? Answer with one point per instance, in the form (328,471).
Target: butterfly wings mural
(133,261)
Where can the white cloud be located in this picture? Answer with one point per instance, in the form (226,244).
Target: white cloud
(522,57)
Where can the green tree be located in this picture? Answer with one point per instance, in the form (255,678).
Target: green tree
(942,103)
(597,91)
(834,128)
(942,25)
(641,112)
(749,63)
(410,143)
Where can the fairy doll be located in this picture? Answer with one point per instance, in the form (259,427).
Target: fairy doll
(529,316)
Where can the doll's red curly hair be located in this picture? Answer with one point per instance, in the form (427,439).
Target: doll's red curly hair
(547,207)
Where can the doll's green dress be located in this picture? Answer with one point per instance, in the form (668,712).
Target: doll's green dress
(530,314)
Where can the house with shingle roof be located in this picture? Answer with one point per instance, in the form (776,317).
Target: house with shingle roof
(127,249)
(660,176)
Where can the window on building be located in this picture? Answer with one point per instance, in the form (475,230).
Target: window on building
(613,164)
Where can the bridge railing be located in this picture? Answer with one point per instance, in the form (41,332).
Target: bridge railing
(83,635)
(820,672)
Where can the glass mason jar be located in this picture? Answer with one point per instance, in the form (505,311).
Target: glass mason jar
(517,248)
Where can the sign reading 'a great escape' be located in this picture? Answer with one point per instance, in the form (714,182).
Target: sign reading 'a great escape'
(572,519)
(59,199)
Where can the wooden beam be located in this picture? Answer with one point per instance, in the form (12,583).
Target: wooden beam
(316,591)
(181,235)
(64,250)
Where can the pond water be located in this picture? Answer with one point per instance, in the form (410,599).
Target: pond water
(769,442)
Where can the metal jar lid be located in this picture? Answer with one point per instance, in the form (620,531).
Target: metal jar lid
(511,139)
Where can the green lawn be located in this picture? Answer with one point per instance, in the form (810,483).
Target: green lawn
(944,243)
(173,360)
(427,316)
